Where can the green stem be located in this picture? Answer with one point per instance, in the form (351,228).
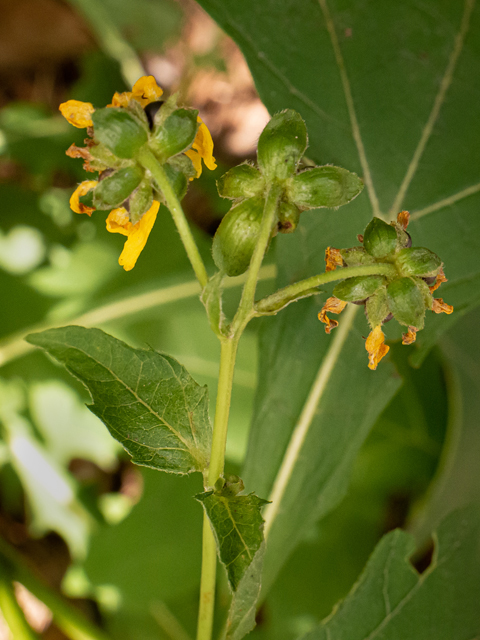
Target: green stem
(217,461)
(13,614)
(246,307)
(67,619)
(281,297)
(148,160)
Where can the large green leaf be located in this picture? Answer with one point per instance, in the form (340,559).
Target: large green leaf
(387,90)
(148,401)
(391,601)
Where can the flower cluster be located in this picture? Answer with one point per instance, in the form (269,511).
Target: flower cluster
(117,134)
(405,295)
(281,147)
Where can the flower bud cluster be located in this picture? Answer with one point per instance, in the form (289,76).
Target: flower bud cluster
(135,120)
(405,296)
(281,147)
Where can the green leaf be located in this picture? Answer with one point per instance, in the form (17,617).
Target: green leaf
(238,528)
(391,601)
(148,401)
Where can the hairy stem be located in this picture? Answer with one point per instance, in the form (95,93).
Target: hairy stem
(148,160)
(281,297)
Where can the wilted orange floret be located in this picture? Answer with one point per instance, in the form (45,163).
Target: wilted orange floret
(439,306)
(440,279)
(332,305)
(137,234)
(376,347)
(403,219)
(333,259)
(410,336)
(77,113)
(82,190)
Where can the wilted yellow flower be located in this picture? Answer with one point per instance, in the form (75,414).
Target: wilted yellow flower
(77,113)
(332,305)
(82,190)
(439,306)
(202,149)
(144,91)
(118,221)
(376,347)
(410,336)
(333,259)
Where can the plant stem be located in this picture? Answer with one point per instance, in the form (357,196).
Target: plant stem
(67,618)
(281,297)
(246,307)
(13,614)
(217,460)
(149,161)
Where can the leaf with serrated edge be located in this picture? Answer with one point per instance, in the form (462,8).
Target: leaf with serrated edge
(238,528)
(391,601)
(148,401)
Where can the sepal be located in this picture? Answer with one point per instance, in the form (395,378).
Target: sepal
(119,131)
(243,181)
(326,186)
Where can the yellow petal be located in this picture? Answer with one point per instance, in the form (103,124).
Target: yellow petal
(332,305)
(439,306)
(333,259)
(403,219)
(196,161)
(77,113)
(203,143)
(137,238)
(121,99)
(146,90)
(410,336)
(82,189)
(440,279)
(118,221)
(376,347)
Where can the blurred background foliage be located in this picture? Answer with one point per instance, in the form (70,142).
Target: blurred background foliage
(124,543)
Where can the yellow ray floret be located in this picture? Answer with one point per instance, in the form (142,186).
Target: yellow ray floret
(144,91)
(202,149)
(137,234)
(410,336)
(439,306)
(376,347)
(333,259)
(332,305)
(82,190)
(403,219)
(440,280)
(77,113)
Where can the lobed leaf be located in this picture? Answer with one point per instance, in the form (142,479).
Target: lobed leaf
(148,401)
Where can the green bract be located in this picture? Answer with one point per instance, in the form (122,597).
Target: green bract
(140,201)
(236,237)
(356,256)
(119,131)
(175,134)
(360,288)
(418,261)
(376,308)
(324,187)
(281,145)
(243,181)
(112,190)
(379,238)
(406,302)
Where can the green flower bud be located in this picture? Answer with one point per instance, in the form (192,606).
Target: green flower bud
(236,237)
(324,187)
(406,302)
(243,181)
(119,131)
(376,308)
(281,145)
(288,217)
(177,179)
(359,288)
(356,256)
(418,261)
(176,134)
(140,201)
(115,188)
(379,238)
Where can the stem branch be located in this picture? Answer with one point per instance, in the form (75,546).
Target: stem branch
(148,160)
